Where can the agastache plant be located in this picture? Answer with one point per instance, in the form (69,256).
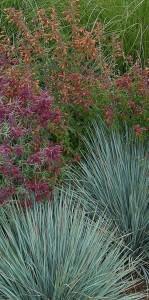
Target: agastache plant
(28,157)
(85,68)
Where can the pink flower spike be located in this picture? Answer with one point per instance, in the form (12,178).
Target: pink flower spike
(109,115)
(124,82)
(139,130)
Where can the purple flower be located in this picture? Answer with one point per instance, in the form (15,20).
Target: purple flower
(5,150)
(35,158)
(18,150)
(17,132)
(52,152)
(41,189)
(5,194)
(42,107)
(10,170)
(25,92)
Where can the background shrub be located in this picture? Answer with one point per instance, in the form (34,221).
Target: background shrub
(86,81)
(29,160)
(88,73)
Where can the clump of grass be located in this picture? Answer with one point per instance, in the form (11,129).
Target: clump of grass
(113,179)
(56,252)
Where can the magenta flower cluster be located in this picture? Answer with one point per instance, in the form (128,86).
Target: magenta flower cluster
(26,151)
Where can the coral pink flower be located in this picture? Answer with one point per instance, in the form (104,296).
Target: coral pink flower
(124,82)
(139,130)
(109,114)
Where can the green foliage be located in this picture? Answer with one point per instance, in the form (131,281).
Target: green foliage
(113,178)
(54,252)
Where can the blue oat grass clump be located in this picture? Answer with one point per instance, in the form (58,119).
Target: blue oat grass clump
(54,251)
(112,178)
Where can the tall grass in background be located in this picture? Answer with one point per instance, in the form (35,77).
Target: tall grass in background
(126,18)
